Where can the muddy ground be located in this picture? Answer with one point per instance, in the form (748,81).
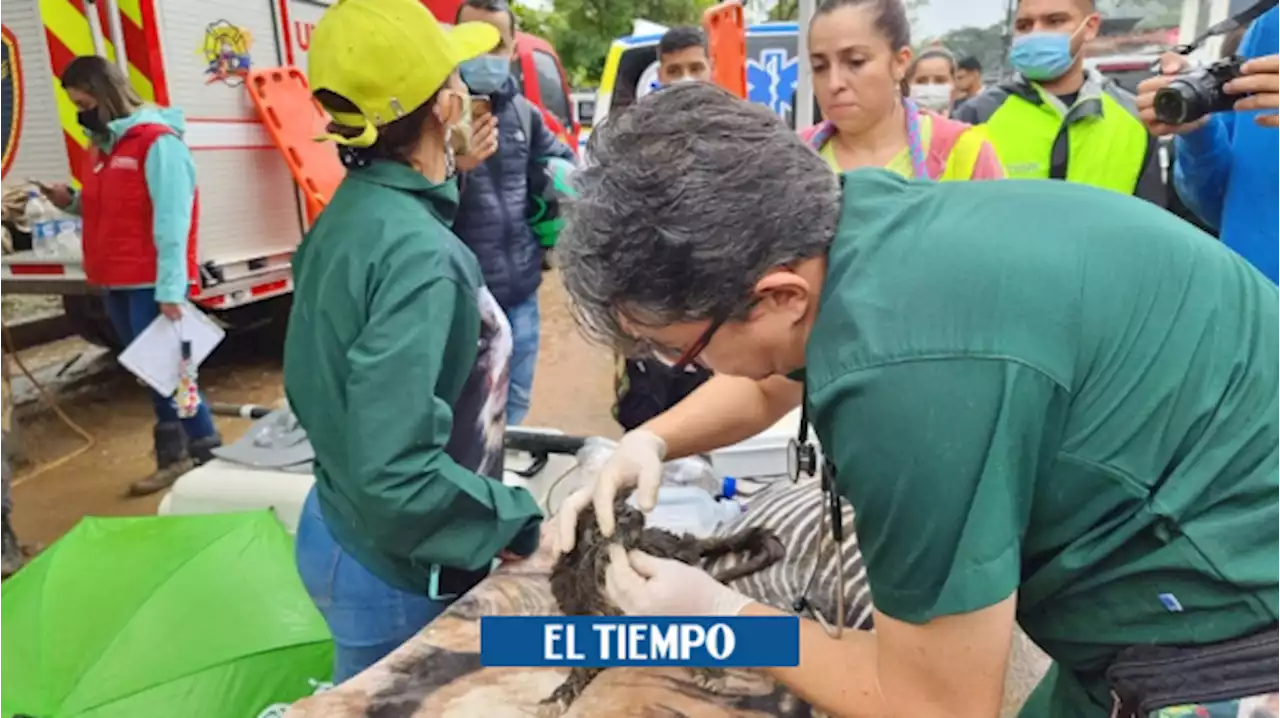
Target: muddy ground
(572,392)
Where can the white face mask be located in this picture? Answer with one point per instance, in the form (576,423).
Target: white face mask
(932,97)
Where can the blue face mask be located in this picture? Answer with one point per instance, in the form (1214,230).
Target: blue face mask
(485,74)
(1042,56)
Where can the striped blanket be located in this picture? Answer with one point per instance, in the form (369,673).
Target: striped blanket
(438,672)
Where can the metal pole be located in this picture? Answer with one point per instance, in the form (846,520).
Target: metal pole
(1007,38)
(95,28)
(117,36)
(243,411)
(803,111)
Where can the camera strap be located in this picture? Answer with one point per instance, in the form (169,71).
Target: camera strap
(1231,24)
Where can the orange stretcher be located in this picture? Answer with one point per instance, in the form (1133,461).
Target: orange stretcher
(725,26)
(294,120)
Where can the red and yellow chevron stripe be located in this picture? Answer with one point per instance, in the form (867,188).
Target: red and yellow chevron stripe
(68,35)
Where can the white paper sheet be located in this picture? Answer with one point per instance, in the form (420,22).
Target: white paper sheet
(155,356)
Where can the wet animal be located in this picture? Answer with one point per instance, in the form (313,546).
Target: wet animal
(577,580)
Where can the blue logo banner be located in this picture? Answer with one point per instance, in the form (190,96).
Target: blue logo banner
(730,642)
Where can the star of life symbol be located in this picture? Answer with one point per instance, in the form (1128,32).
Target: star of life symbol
(771,81)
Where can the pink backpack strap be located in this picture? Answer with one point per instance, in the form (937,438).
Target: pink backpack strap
(818,135)
(945,134)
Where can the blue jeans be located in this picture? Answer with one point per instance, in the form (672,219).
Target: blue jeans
(367,617)
(525,326)
(131,311)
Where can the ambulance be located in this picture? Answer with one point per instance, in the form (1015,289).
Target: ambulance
(771,64)
(196,56)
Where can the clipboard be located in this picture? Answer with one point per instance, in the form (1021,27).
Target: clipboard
(155,356)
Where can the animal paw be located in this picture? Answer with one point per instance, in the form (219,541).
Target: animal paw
(712,680)
(557,704)
(549,708)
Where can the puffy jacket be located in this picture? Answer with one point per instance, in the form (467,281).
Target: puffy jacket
(170,185)
(491,217)
(121,248)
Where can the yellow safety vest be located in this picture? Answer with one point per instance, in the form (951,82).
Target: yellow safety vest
(1098,141)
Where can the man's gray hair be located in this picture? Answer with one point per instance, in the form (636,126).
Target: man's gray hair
(688,198)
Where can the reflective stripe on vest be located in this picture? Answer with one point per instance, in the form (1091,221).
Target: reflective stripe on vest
(1098,143)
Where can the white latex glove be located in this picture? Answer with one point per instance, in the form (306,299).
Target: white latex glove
(642,585)
(637,461)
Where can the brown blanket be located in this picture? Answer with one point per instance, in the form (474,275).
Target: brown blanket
(437,673)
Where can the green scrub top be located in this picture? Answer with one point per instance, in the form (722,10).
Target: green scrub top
(1052,389)
(395,363)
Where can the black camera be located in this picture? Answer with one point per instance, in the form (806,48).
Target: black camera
(1197,93)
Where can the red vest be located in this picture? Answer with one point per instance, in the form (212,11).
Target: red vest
(115,206)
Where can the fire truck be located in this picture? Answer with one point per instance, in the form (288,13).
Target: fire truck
(195,56)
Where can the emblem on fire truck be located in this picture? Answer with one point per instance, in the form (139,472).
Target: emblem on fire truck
(10,98)
(226,49)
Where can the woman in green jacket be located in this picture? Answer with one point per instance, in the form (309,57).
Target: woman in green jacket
(396,356)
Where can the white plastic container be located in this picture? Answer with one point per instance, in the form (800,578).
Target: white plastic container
(764,454)
(692,471)
(42,222)
(690,510)
(221,486)
(67,239)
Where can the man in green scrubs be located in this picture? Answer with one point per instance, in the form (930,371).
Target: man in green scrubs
(1046,402)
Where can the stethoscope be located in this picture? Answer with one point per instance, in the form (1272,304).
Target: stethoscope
(802,460)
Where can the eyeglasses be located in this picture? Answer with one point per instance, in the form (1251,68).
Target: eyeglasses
(690,355)
(802,461)
(678,359)
(683,360)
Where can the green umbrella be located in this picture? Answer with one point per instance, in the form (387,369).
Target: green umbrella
(195,616)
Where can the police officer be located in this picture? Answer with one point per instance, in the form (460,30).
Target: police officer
(1057,120)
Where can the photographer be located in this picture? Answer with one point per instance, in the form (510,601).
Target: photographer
(1226,169)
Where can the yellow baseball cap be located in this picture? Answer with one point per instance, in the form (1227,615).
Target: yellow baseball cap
(387,57)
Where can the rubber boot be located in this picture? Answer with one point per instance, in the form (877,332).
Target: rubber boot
(201,450)
(172,460)
(13,557)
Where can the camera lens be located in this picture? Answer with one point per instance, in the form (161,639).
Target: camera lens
(1178,103)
